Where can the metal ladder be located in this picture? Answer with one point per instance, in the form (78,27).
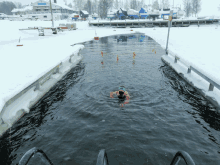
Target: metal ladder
(102,157)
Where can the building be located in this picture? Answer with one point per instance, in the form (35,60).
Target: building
(42,7)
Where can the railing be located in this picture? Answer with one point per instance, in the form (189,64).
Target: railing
(102,158)
(191,68)
(28,155)
(186,157)
(36,85)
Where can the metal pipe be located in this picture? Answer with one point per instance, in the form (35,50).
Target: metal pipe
(51,14)
(171,13)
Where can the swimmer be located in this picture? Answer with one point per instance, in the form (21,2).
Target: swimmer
(122,94)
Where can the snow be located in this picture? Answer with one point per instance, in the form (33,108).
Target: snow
(21,66)
(132,12)
(84,12)
(27,8)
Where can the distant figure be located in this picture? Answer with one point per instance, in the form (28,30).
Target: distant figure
(121,94)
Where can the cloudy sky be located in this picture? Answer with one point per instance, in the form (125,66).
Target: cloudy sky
(209,7)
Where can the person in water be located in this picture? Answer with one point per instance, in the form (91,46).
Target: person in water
(121,94)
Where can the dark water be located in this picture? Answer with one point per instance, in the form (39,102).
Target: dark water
(77,117)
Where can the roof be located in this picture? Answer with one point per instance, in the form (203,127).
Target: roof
(84,12)
(63,6)
(27,8)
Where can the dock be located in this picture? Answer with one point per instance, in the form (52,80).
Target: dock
(148,23)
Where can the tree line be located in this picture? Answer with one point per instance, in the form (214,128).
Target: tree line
(101,7)
(6,7)
(192,7)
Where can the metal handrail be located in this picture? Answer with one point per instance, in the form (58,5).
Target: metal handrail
(28,155)
(212,82)
(102,158)
(186,157)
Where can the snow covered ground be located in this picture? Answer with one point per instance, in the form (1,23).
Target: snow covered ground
(21,66)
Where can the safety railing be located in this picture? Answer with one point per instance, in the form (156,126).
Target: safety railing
(36,85)
(186,157)
(102,158)
(191,68)
(29,154)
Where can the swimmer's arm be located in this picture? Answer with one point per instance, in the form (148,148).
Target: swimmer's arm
(112,93)
(127,98)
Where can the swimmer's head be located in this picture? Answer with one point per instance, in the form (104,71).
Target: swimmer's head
(121,88)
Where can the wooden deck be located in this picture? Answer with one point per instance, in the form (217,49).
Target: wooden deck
(147,23)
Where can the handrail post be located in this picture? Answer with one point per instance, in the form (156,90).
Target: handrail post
(170,24)
(189,70)
(211,87)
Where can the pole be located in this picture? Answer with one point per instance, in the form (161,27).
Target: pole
(51,14)
(169,24)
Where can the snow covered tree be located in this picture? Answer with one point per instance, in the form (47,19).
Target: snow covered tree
(196,6)
(187,7)
(155,5)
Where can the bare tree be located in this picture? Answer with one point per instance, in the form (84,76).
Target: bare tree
(187,7)
(88,6)
(196,6)
(79,4)
(155,5)
(70,5)
(7,7)
(126,5)
(95,6)
(18,5)
(133,4)
(103,7)
(166,4)
(116,4)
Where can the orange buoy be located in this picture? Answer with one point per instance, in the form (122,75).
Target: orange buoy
(117,58)
(102,53)
(96,38)
(155,52)
(131,30)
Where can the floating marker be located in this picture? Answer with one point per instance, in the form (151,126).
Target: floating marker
(102,53)
(153,50)
(117,58)
(96,37)
(19,42)
(134,55)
